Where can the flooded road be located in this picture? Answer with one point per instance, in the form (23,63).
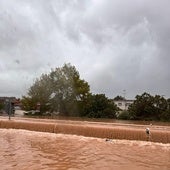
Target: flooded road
(22,149)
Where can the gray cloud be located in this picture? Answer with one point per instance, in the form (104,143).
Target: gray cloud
(115,45)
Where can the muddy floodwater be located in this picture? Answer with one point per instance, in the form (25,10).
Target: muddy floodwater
(28,150)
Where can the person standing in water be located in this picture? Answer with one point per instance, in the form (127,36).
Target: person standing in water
(147,133)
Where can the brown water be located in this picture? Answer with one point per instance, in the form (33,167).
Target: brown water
(21,149)
(91,129)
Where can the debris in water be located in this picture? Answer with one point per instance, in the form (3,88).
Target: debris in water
(108,140)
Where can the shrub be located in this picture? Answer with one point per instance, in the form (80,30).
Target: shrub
(124,115)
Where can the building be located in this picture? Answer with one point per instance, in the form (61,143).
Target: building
(123,104)
(8,104)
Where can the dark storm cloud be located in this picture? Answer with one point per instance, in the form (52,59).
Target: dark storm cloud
(115,45)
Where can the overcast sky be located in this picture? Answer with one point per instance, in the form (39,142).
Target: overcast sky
(115,45)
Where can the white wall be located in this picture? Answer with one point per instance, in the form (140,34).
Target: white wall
(123,104)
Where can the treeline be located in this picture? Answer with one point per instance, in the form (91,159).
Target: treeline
(148,107)
(63,92)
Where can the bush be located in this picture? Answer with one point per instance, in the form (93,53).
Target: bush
(124,115)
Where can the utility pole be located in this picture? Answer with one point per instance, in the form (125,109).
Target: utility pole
(124,96)
(8,107)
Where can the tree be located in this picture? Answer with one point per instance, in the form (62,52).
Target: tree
(61,90)
(147,107)
(69,89)
(142,107)
(165,115)
(161,105)
(99,106)
(39,92)
(117,98)
(1,106)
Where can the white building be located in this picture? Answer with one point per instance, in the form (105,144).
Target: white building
(123,104)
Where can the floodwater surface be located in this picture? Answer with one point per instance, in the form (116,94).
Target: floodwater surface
(28,150)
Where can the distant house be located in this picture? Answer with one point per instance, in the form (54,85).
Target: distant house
(123,104)
(3,99)
(4,103)
(17,104)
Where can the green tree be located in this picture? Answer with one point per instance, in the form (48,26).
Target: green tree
(165,116)
(28,103)
(161,105)
(142,107)
(68,89)
(99,106)
(61,90)
(39,92)
(117,98)
(1,106)
(147,107)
